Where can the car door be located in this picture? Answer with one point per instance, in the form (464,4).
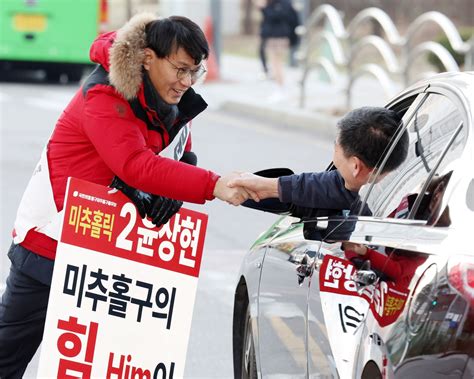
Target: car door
(358,313)
(283,302)
(429,336)
(335,312)
(438,129)
(357,322)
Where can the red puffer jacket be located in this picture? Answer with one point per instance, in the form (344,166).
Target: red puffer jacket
(99,135)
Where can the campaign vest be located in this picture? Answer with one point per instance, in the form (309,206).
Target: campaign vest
(37,209)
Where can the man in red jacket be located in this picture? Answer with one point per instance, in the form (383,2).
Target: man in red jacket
(128,126)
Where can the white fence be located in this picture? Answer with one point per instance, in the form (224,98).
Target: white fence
(398,53)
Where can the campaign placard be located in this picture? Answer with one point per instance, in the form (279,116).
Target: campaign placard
(123,291)
(346,311)
(385,299)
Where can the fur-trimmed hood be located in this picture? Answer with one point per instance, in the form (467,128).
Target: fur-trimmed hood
(121,53)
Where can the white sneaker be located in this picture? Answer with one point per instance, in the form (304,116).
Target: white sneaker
(277,96)
(264,76)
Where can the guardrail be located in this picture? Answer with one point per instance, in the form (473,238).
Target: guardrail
(345,47)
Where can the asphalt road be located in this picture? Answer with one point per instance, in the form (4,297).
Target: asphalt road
(223,142)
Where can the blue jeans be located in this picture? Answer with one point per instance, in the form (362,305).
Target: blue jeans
(23,310)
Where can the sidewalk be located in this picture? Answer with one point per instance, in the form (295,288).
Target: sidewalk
(241,90)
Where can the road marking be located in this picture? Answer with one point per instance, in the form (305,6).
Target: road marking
(319,359)
(319,324)
(295,345)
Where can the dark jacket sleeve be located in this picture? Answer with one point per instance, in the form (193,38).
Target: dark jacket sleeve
(294,22)
(323,190)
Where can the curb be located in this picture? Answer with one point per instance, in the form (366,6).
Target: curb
(298,119)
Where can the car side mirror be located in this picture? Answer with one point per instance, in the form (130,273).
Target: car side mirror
(274,172)
(272,205)
(364,274)
(332,228)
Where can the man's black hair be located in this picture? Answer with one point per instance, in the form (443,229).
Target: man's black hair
(165,36)
(367,132)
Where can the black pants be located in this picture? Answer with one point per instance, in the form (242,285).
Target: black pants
(23,310)
(262,54)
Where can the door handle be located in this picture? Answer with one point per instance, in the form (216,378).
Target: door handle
(364,277)
(305,268)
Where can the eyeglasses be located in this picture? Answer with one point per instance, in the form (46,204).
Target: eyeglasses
(183,72)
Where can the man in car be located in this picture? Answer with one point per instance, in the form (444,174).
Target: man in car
(363,137)
(129,120)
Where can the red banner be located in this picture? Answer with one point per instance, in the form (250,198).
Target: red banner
(105,220)
(385,298)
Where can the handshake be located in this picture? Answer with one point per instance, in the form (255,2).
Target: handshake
(237,187)
(234,188)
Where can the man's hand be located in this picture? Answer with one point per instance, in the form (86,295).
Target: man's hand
(142,200)
(234,195)
(162,209)
(260,187)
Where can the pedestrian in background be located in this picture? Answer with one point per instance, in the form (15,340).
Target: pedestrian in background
(128,126)
(277,27)
(263,39)
(294,37)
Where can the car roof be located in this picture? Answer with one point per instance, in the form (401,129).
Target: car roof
(461,82)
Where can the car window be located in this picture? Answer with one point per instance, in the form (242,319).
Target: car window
(429,204)
(436,140)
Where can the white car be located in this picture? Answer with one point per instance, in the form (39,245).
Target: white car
(305,308)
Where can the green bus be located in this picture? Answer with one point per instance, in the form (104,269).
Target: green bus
(50,35)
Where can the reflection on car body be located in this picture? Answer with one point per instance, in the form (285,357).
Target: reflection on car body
(402,309)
